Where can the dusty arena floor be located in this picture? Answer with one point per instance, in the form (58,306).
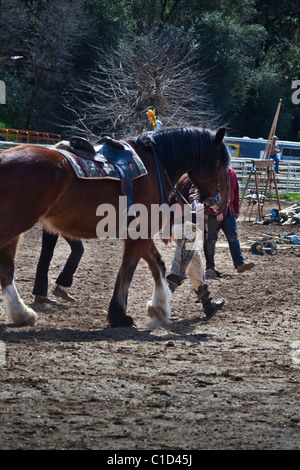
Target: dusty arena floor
(71,382)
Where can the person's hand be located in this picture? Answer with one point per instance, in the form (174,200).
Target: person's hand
(220,217)
(199,207)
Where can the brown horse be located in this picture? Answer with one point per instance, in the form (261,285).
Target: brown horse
(37,184)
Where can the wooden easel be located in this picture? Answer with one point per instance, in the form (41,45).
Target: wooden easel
(264,167)
(259,166)
(272,132)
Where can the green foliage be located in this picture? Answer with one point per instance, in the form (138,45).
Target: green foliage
(230,49)
(249,53)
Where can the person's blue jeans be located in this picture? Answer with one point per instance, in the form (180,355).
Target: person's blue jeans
(229,227)
(276,162)
(65,277)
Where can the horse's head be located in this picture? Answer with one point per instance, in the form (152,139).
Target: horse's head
(212,178)
(198,152)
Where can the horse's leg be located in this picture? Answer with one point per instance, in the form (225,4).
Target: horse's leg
(117,316)
(159,306)
(17,311)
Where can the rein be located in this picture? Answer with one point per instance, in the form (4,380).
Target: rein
(163,176)
(226,203)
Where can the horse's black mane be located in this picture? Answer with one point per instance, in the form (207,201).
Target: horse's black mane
(174,145)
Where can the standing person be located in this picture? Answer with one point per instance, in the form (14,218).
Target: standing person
(187,260)
(65,278)
(226,220)
(274,152)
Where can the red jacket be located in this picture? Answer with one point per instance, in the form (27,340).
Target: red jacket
(234,205)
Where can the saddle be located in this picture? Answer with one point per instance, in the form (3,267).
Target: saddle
(109,150)
(116,153)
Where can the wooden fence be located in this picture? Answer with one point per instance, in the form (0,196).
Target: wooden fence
(28,137)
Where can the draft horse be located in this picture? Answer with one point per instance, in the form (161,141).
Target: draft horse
(37,184)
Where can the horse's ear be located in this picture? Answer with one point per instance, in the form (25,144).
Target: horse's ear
(220,134)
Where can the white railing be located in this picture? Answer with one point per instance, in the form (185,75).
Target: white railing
(288,179)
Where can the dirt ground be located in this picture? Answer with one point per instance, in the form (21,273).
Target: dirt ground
(71,382)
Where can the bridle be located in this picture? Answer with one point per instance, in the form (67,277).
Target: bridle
(210,201)
(215,200)
(164,176)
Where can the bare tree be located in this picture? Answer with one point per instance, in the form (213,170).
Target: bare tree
(156,70)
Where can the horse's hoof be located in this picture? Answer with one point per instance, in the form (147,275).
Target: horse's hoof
(122,322)
(158,315)
(32,318)
(27,318)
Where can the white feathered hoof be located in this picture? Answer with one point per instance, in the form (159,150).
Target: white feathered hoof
(158,315)
(17,312)
(159,306)
(25,316)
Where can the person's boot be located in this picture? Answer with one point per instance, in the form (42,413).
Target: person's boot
(245,267)
(62,292)
(209,306)
(44,299)
(173,281)
(212,273)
